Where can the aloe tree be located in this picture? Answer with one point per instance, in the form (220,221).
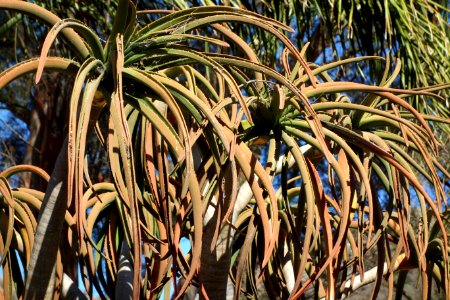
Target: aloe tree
(275,176)
(417,32)
(344,28)
(41,108)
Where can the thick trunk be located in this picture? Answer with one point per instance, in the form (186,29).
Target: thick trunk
(124,282)
(215,264)
(40,275)
(70,290)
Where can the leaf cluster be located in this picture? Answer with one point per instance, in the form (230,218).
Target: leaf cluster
(286,168)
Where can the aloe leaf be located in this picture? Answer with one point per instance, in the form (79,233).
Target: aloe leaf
(92,41)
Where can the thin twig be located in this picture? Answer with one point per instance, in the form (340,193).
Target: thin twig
(20,136)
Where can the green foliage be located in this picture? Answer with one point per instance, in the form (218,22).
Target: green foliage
(286,175)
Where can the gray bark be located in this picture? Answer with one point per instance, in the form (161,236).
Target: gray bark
(124,285)
(41,271)
(70,290)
